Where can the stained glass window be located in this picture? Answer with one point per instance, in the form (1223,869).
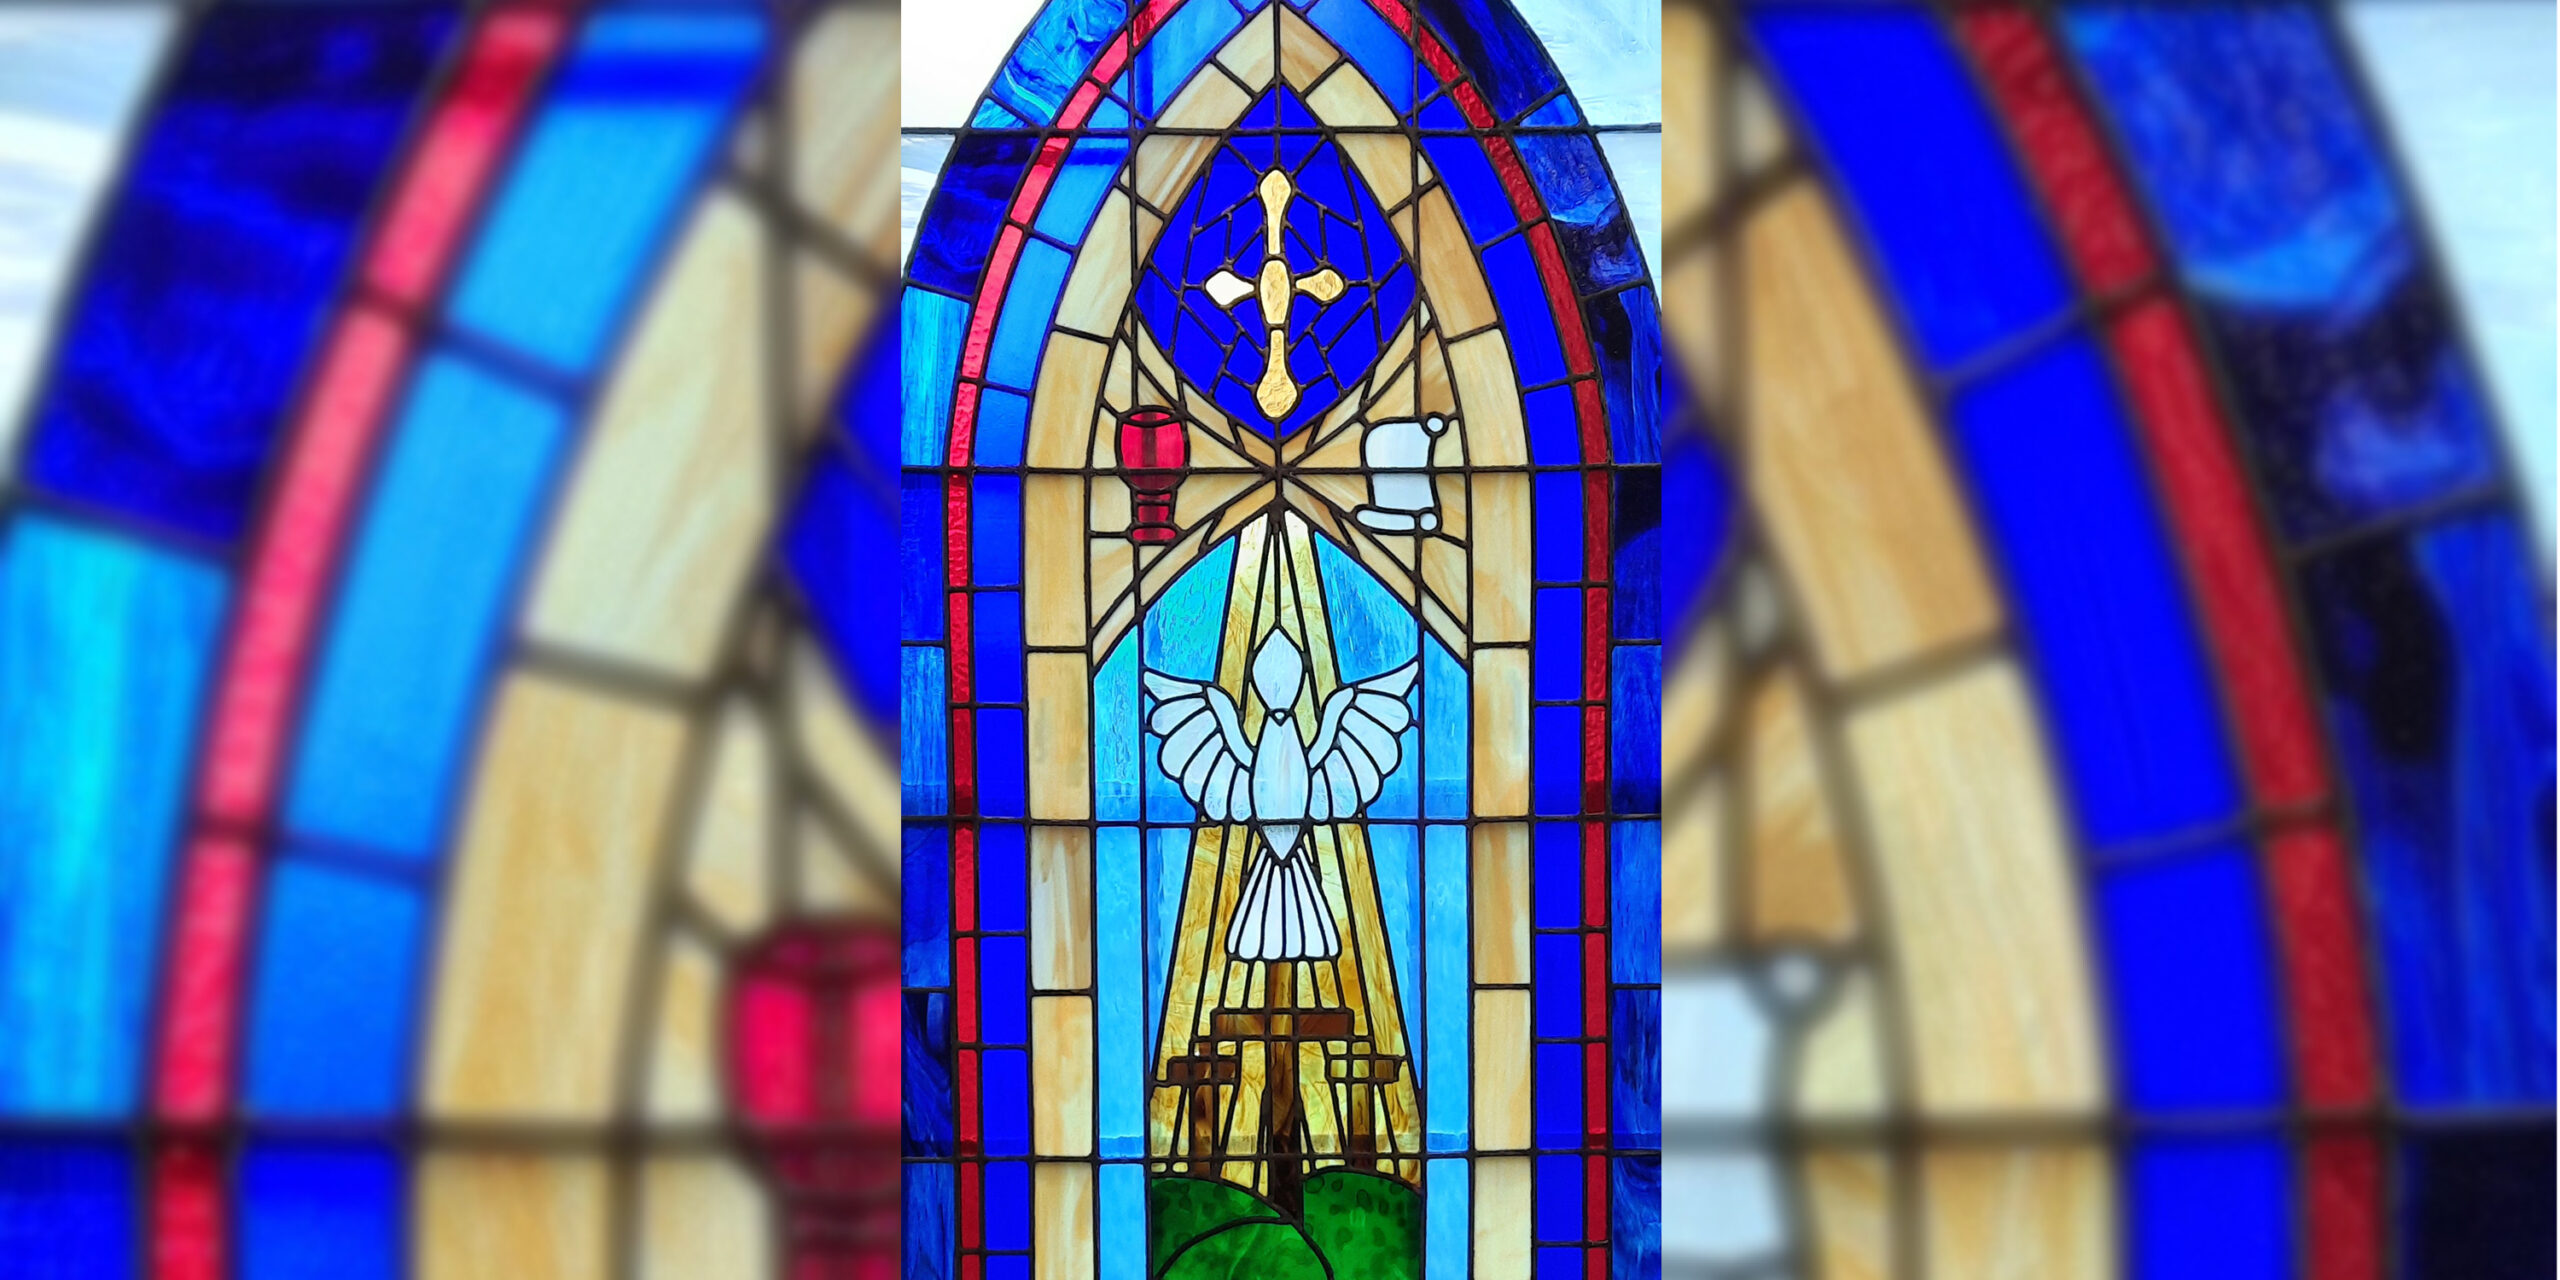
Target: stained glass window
(1281,655)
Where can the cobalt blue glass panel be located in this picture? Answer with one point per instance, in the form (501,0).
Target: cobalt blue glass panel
(1635,729)
(2338,344)
(1556,983)
(924,917)
(1556,749)
(1004,879)
(1536,349)
(1165,63)
(67,1207)
(2191,982)
(1635,1062)
(2437,667)
(2210,1208)
(1635,901)
(1559,1196)
(428,588)
(1000,763)
(1483,206)
(1635,1218)
(1081,183)
(215,272)
(1008,1205)
(1562,1264)
(1626,339)
(2476,1205)
(924,1064)
(1386,57)
(930,327)
(1635,550)
(1446,897)
(1591,223)
(103,648)
(958,233)
(1555,431)
(1696,486)
(1219,230)
(330,1016)
(1498,50)
(1005,1100)
(1002,418)
(319,1211)
(997,637)
(924,733)
(1038,276)
(925,1236)
(1008,1266)
(837,537)
(1556,671)
(1053,54)
(2118,663)
(1559,1099)
(1559,526)
(1933,185)
(630,120)
(920,543)
(1556,891)
(868,407)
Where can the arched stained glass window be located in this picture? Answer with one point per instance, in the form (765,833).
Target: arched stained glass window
(1281,658)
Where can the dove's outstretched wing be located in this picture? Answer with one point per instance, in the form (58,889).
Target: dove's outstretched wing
(1356,747)
(1204,747)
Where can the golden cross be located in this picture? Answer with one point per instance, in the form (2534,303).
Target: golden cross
(1276,393)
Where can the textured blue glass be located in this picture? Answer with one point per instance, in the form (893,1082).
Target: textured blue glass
(1008,1189)
(1117,738)
(2210,1209)
(1498,50)
(2339,351)
(1556,984)
(1559,526)
(2191,982)
(924,1237)
(930,329)
(633,115)
(992,115)
(1528,325)
(103,649)
(1004,878)
(995,537)
(1053,53)
(924,917)
(1395,862)
(1555,430)
(1931,182)
(1635,901)
(1004,1093)
(1000,763)
(1556,751)
(1082,181)
(215,271)
(1121,1052)
(1179,637)
(1373,632)
(1448,1082)
(997,638)
(315,1211)
(920,556)
(1556,875)
(1626,340)
(1557,1085)
(1220,225)
(1446,706)
(2469,1201)
(1591,223)
(421,617)
(1167,853)
(958,233)
(329,1019)
(1029,300)
(1120,1225)
(1447,1236)
(925,1067)
(838,535)
(1635,1062)
(1384,56)
(1635,729)
(1635,550)
(2436,662)
(67,1208)
(1165,63)
(1555,669)
(924,732)
(2120,667)
(1558,1181)
(1003,417)
(1635,1218)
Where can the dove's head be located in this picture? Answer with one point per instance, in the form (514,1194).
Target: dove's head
(1277,669)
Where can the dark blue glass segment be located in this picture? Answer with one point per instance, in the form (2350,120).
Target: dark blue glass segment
(1220,225)
(1498,50)
(1387,58)
(2210,1208)
(67,1208)
(1556,671)
(2191,982)
(1626,340)
(320,1211)
(1555,431)
(868,405)
(930,327)
(1004,990)
(2338,347)
(920,556)
(1635,1063)
(1635,729)
(924,732)
(1556,983)
(1002,419)
(1528,325)
(1004,1093)
(1008,1187)
(1635,901)
(924,1238)
(1556,745)
(1557,1085)
(1556,855)
(997,637)
(1559,524)
(995,538)
(1483,206)
(1558,1193)
(958,232)
(1635,1218)
(1591,225)
(1635,551)
(924,917)
(216,270)
(2471,1203)
(838,536)
(1000,763)
(1930,180)
(1004,878)
(1562,1264)
(1053,55)
(924,1064)
(1698,499)
(2436,663)
(1023,329)
(1082,181)
(329,1031)
(2121,669)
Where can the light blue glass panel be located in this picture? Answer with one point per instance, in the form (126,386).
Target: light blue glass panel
(103,649)
(1116,737)
(1121,1046)
(1395,861)
(433,572)
(1121,1227)
(930,327)
(1446,1233)
(1448,1029)
(628,124)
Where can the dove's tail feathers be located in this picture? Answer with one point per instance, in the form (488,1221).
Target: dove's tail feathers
(1281,915)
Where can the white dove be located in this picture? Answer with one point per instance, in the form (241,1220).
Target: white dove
(1287,785)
